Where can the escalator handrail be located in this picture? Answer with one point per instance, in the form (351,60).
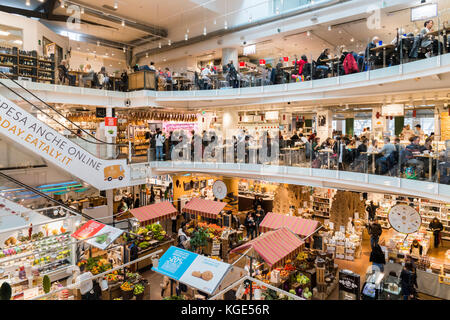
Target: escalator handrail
(59,113)
(61,204)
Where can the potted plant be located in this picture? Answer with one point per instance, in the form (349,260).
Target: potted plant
(199,240)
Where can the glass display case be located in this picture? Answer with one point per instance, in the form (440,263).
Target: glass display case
(373,286)
(391,288)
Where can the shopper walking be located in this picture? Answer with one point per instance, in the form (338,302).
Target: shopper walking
(375,232)
(436,226)
(136,201)
(408,281)
(259,217)
(250,225)
(377,257)
(372,210)
(152,195)
(159,141)
(183,239)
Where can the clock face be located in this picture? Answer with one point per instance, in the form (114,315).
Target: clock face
(404,219)
(219,189)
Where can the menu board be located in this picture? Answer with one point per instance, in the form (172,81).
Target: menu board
(194,270)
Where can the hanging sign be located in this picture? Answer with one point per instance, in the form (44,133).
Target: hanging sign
(262,62)
(98,234)
(110,127)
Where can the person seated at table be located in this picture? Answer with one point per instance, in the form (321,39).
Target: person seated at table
(407,133)
(321,64)
(90,76)
(372,59)
(429,43)
(103,78)
(365,133)
(414,148)
(168,76)
(418,131)
(328,143)
(294,138)
(385,162)
(373,146)
(124,81)
(361,158)
(315,146)
(64,74)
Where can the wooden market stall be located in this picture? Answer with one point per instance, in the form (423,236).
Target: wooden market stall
(149,215)
(206,208)
(299,226)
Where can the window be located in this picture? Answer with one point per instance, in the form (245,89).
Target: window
(285,5)
(360,124)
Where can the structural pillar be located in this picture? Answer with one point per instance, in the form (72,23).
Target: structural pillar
(110,203)
(437,122)
(230,54)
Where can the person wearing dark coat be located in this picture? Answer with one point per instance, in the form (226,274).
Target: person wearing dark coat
(377,257)
(250,225)
(436,226)
(136,201)
(375,232)
(372,210)
(408,281)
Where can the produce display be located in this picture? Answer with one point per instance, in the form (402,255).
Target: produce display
(138,289)
(126,286)
(95,265)
(148,234)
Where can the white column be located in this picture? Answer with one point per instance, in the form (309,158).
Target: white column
(110,202)
(109,147)
(437,122)
(230,54)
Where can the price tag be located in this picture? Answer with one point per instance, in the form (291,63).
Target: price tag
(30,293)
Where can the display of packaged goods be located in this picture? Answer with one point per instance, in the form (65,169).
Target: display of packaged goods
(340,256)
(349,257)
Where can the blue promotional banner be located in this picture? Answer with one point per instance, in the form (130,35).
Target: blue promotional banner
(194,270)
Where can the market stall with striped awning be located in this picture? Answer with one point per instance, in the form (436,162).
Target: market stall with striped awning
(205,208)
(154,212)
(300,226)
(274,247)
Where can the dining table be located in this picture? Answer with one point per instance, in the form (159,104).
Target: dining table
(328,152)
(331,61)
(383,48)
(291,151)
(431,157)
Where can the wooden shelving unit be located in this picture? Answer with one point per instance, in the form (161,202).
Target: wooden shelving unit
(27,65)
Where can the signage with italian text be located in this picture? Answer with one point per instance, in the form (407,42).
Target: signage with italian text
(24,129)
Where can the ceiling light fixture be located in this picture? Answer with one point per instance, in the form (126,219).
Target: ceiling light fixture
(124,49)
(352,39)
(329,28)
(169,42)
(204,31)
(225,25)
(123,23)
(116,5)
(28,3)
(159,45)
(82,10)
(98,43)
(62,4)
(185,36)
(187,30)
(277,11)
(250,19)
(215,21)
(308,33)
(146,55)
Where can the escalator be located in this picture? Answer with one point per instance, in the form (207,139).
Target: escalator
(46,132)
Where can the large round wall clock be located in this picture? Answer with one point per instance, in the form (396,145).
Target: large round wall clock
(219,189)
(404,219)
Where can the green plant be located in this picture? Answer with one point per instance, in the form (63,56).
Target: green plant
(46,284)
(199,239)
(5,291)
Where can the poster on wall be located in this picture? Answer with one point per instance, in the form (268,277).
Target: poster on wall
(110,127)
(194,270)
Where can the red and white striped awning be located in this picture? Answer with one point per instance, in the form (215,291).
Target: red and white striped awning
(205,208)
(300,226)
(274,247)
(154,212)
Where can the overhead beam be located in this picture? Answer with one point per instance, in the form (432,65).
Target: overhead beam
(150,29)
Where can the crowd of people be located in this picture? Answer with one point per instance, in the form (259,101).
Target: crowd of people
(404,47)
(358,153)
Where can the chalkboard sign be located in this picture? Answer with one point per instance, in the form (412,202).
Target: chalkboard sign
(101,112)
(196,184)
(187,186)
(318,242)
